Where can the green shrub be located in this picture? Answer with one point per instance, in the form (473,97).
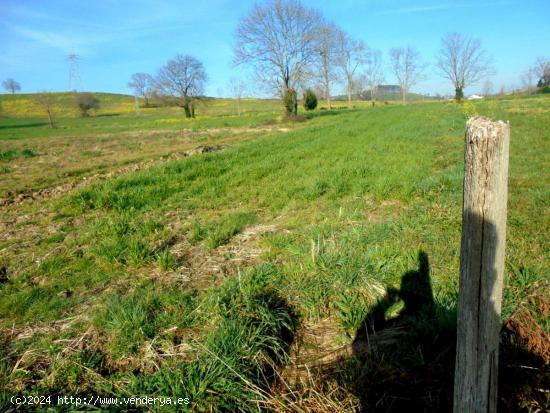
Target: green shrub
(310,100)
(28,153)
(290,101)
(85,102)
(11,154)
(8,155)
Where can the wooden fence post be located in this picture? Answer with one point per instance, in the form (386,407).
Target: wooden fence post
(481,265)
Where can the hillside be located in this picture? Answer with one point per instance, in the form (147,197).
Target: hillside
(26,105)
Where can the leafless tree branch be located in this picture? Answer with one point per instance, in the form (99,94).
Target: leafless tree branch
(142,84)
(238,88)
(463,61)
(327,57)
(351,55)
(183,79)
(374,73)
(279,39)
(46,100)
(407,68)
(11,85)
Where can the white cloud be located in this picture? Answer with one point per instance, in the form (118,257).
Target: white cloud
(66,43)
(39,29)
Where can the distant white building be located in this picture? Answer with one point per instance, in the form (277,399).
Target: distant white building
(475,97)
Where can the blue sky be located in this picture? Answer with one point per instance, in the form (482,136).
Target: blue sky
(117,38)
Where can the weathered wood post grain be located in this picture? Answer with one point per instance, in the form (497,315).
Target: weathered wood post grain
(481,265)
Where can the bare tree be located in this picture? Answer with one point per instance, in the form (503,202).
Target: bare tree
(142,84)
(319,90)
(46,100)
(374,74)
(358,85)
(487,88)
(351,54)
(238,88)
(327,50)
(407,68)
(279,39)
(527,79)
(11,85)
(541,66)
(463,61)
(182,78)
(541,70)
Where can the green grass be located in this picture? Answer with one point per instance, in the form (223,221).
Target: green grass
(11,154)
(229,225)
(23,118)
(111,145)
(354,197)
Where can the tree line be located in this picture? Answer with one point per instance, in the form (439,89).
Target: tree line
(293,48)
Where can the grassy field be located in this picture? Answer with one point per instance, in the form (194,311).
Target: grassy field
(34,158)
(278,272)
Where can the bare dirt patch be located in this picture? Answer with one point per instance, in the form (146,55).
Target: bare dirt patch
(388,209)
(201,267)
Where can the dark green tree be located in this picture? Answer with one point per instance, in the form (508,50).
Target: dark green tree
(290,101)
(310,100)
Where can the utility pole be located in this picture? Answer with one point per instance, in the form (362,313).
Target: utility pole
(74,71)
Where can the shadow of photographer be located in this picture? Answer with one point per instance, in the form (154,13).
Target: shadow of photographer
(407,360)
